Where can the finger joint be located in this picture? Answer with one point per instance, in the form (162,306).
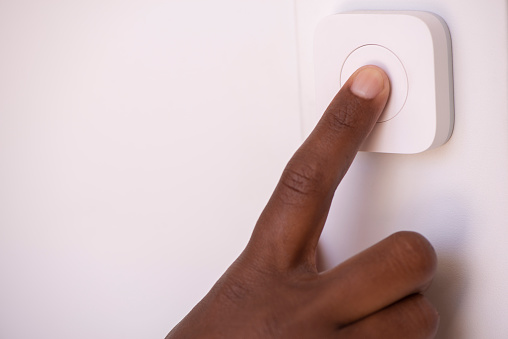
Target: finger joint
(301,180)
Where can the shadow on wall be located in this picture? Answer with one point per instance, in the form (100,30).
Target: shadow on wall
(372,203)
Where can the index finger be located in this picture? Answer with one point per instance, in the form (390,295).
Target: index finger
(290,225)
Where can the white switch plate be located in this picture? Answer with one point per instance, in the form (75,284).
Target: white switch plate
(414,48)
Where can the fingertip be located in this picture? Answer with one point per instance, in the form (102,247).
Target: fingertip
(370,82)
(417,256)
(424,315)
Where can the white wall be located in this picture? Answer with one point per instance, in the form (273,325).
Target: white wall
(139,141)
(456,195)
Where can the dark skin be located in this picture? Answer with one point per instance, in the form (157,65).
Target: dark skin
(274,289)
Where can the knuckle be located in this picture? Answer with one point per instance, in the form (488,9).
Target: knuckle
(415,255)
(423,315)
(345,115)
(234,292)
(300,180)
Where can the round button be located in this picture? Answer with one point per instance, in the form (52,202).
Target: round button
(384,58)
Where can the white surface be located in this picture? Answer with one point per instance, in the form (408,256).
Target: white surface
(417,56)
(457,194)
(139,141)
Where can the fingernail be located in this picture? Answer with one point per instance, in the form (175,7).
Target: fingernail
(368,83)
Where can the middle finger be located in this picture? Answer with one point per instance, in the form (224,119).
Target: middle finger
(394,268)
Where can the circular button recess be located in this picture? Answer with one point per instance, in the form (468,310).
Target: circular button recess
(384,58)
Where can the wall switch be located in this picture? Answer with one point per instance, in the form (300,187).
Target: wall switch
(414,49)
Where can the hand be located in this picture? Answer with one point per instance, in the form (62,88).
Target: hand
(274,290)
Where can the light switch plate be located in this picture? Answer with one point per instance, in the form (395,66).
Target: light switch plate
(414,48)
